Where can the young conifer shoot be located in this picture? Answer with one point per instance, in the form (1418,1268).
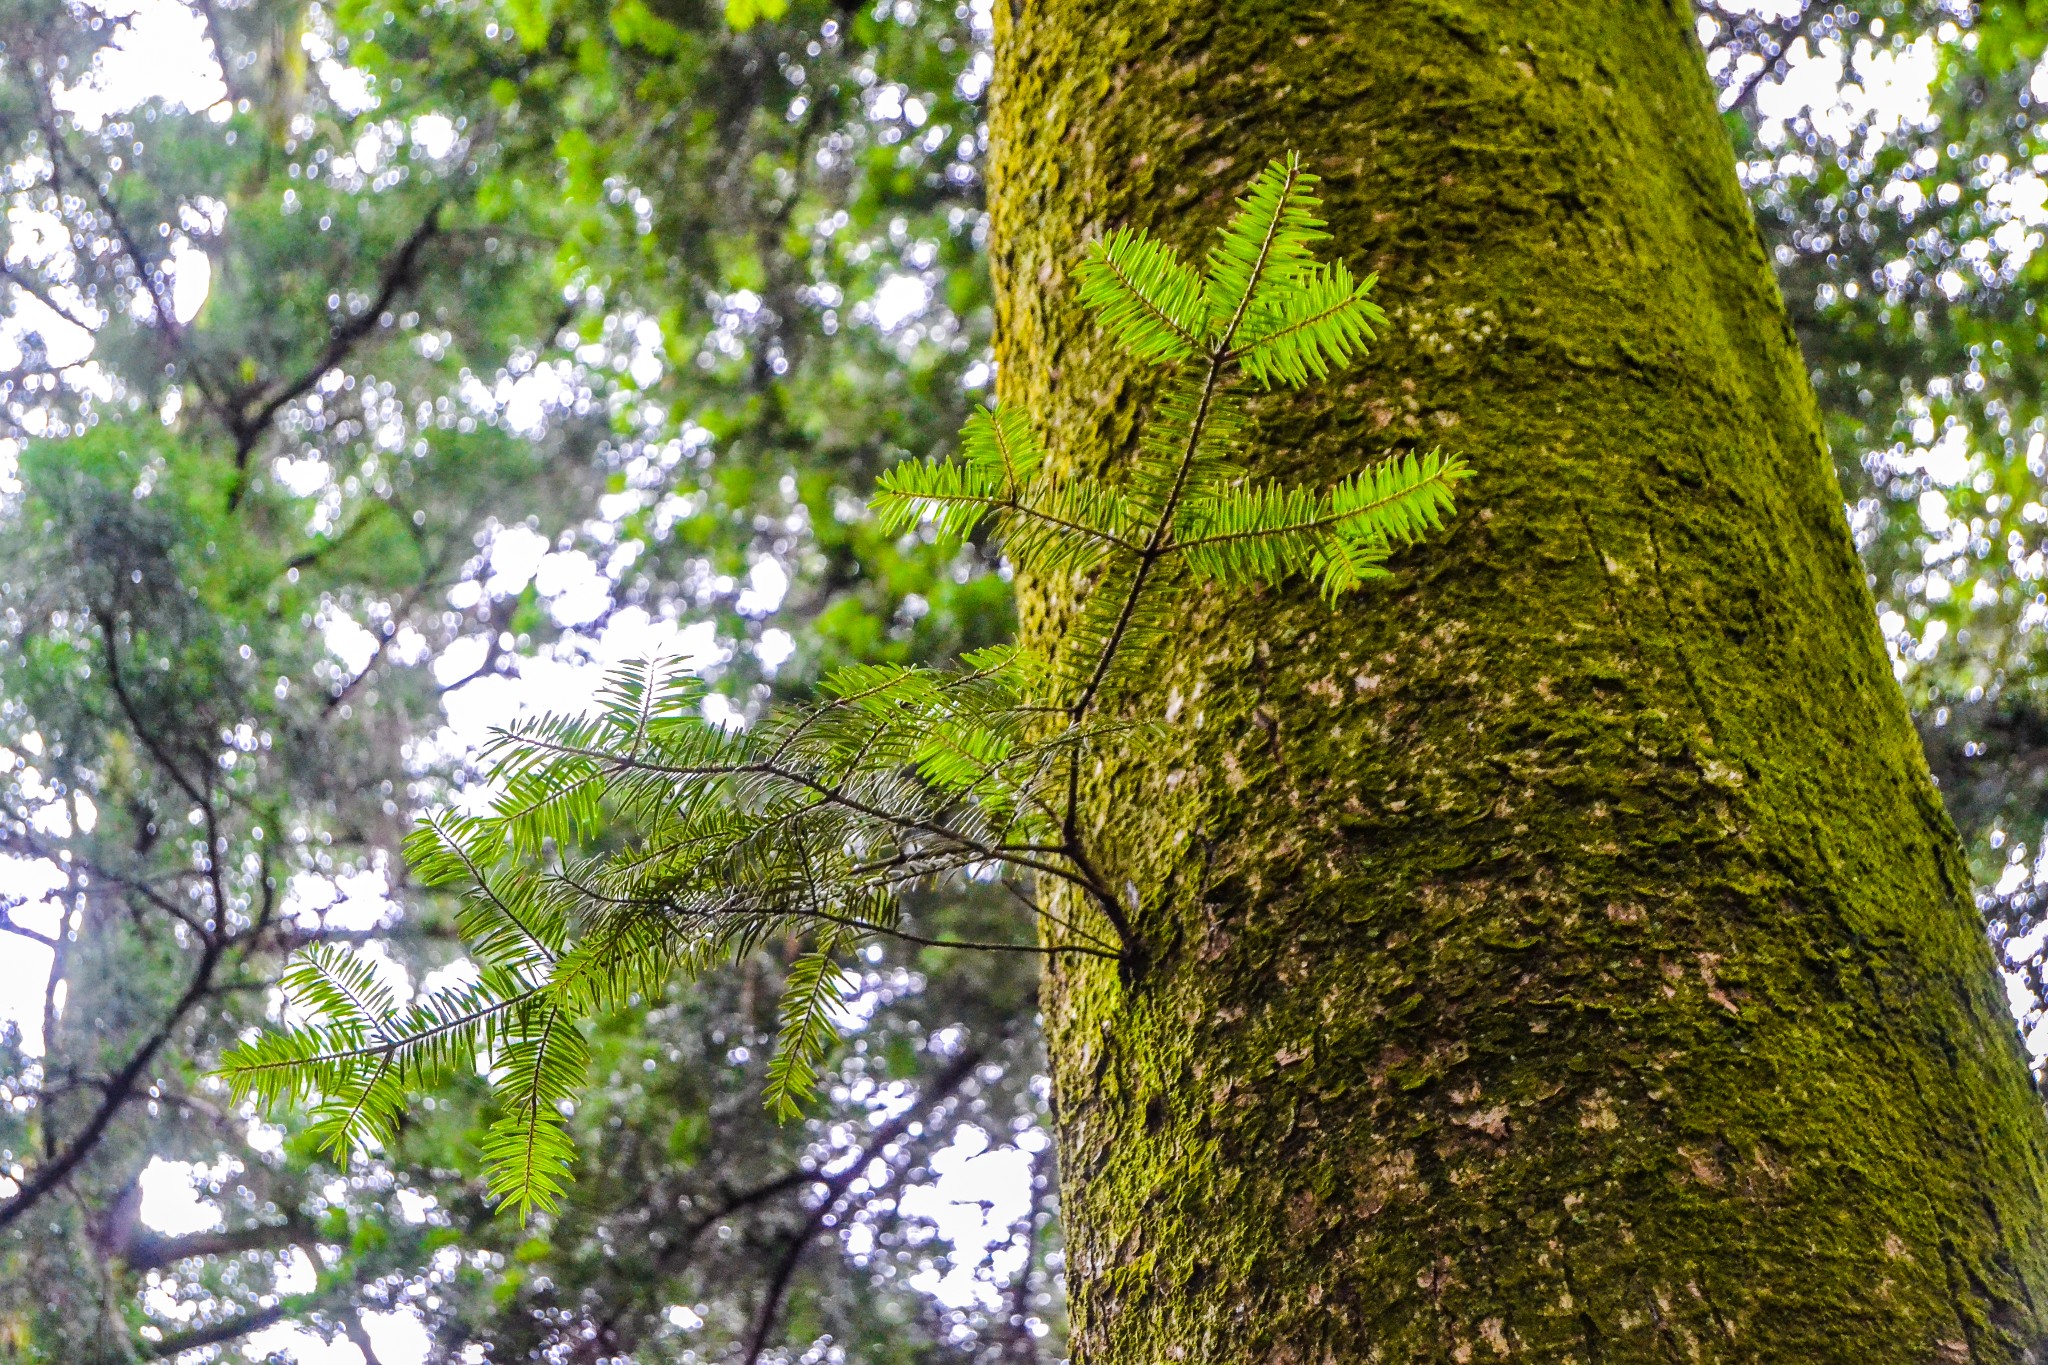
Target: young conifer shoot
(641,841)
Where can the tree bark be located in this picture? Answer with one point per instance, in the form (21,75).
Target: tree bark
(1560,953)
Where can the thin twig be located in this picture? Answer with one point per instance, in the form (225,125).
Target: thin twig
(7,925)
(27,284)
(1020,1346)
(836,795)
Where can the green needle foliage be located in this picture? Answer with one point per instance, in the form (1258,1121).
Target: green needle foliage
(811,825)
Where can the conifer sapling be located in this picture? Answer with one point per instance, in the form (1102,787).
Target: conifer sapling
(811,825)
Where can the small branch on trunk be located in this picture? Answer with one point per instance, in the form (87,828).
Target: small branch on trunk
(359,1337)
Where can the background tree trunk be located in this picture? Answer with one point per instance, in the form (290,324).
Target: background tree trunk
(1586,969)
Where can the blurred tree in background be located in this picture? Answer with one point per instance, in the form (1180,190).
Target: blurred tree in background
(432,350)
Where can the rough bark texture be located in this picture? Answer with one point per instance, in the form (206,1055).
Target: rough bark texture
(1587,970)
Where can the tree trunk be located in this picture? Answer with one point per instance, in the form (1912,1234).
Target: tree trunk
(1561,953)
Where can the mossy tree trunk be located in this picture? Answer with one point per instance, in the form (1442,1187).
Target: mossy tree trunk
(1584,968)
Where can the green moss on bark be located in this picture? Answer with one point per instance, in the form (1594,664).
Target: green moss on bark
(1584,968)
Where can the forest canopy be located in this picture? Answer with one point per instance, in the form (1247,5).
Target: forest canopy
(371,375)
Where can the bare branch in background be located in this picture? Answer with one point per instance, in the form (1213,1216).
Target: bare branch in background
(120,1088)
(7,924)
(1764,38)
(251,418)
(359,1337)
(150,1251)
(231,1330)
(210,15)
(34,288)
(943,1088)
(37,1184)
(1020,1347)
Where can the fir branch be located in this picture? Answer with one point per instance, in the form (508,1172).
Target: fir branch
(1155,546)
(833,796)
(672,845)
(1274,225)
(1145,296)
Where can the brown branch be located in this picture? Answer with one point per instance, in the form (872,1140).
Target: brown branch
(675,1255)
(834,795)
(1754,30)
(359,1337)
(401,613)
(291,938)
(50,1174)
(60,955)
(1020,1346)
(8,926)
(146,273)
(267,896)
(248,424)
(233,1328)
(153,1252)
(943,1087)
(201,793)
(145,733)
(120,1088)
(732,911)
(25,845)
(221,52)
(28,285)
(327,545)
(62,161)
